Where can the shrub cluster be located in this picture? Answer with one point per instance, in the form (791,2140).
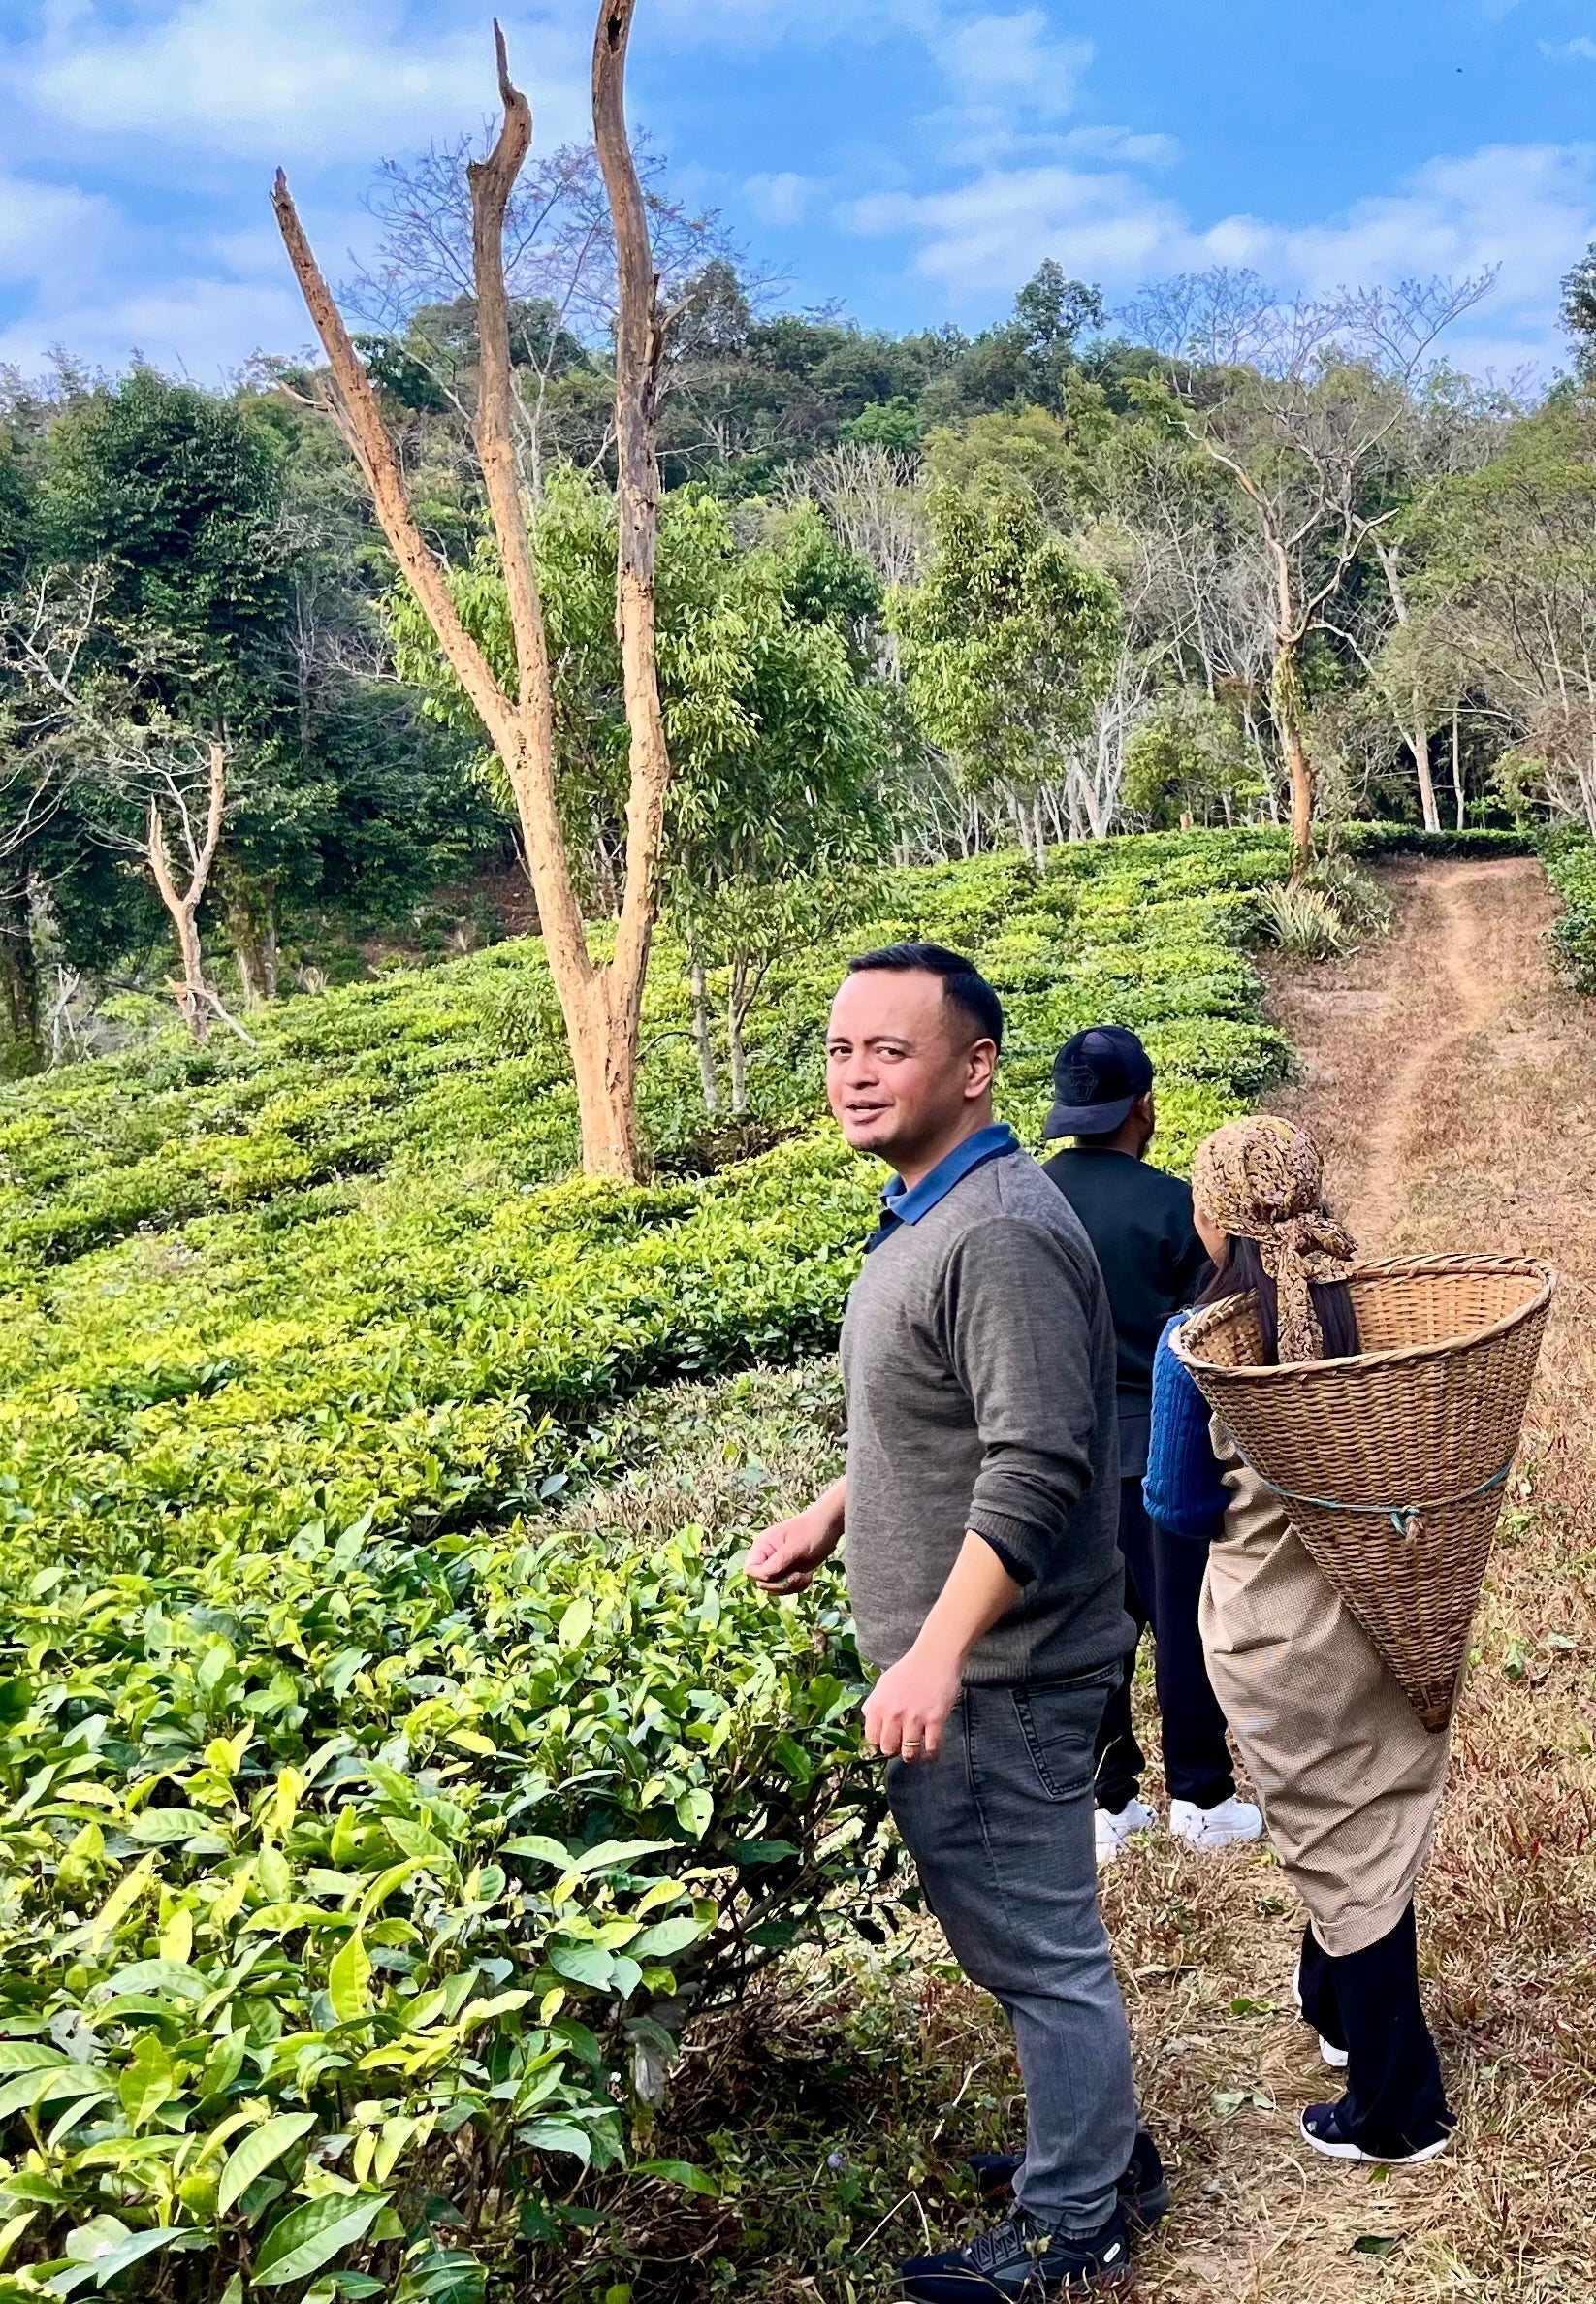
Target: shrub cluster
(1571,868)
(367,1838)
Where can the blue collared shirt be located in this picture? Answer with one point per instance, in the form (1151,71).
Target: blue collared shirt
(907,1203)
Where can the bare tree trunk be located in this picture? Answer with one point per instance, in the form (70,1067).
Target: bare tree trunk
(20,975)
(1457,770)
(196,1003)
(639,352)
(601,1005)
(702,1039)
(737,1012)
(1290,723)
(1422,762)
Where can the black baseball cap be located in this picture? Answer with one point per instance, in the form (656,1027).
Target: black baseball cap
(1098,1077)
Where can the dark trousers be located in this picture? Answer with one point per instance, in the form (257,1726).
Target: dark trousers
(1162,1580)
(1000,1828)
(1367,2002)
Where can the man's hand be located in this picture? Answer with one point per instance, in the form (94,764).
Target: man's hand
(907,1710)
(784,1558)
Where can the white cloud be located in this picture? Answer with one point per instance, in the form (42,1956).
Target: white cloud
(1582,50)
(202,327)
(782,198)
(1528,210)
(1010,80)
(1011,60)
(42,226)
(279,78)
(994,231)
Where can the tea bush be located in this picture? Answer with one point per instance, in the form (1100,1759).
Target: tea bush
(1571,868)
(368,1836)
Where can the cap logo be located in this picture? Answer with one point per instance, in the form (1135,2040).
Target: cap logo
(1075,1082)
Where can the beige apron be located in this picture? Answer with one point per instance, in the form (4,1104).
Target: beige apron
(1349,1782)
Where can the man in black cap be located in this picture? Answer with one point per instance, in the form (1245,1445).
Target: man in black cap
(1139,1218)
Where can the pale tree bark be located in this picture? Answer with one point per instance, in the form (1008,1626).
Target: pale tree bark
(601,1005)
(1457,770)
(1418,742)
(702,1038)
(198,1003)
(1417,735)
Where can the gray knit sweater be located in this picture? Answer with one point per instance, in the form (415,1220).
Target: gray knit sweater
(978,1365)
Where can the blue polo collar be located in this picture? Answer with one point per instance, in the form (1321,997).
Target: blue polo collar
(909,1203)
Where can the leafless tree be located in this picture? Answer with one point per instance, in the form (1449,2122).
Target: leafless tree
(1299,400)
(561,265)
(874,500)
(601,1002)
(155,789)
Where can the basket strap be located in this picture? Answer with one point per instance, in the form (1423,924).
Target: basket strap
(1408,1520)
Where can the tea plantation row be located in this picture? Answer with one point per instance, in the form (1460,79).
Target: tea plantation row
(368,1834)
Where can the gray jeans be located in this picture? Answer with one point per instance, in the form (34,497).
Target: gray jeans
(1000,1825)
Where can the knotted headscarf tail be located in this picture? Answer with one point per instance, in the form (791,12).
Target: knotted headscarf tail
(1262,1179)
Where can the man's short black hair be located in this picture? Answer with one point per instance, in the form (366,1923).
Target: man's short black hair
(963,987)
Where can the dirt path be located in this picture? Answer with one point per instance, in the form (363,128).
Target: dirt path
(1445,924)
(1452,1083)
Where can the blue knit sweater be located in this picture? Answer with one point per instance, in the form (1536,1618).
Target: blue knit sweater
(1183,1490)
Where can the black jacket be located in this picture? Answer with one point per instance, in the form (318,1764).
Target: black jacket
(1138,1220)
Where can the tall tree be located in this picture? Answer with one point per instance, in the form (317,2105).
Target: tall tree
(1007,645)
(600,1002)
(1299,400)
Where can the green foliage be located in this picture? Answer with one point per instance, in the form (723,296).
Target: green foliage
(175,494)
(1008,643)
(339,1878)
(1571,868)
(1187,759)
(367,1830)
(1302,920)
(775,739)
(885,424)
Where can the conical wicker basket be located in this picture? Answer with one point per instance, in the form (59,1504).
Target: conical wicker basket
(1392,1464)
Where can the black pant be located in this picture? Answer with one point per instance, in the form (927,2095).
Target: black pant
(1367,2002)
(1162,1579)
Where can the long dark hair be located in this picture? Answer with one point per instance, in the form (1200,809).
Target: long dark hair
(1241,1270)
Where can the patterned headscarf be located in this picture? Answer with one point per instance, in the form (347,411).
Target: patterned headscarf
(1262,1180)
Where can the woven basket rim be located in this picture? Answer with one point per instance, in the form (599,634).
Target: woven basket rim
(1390,1267)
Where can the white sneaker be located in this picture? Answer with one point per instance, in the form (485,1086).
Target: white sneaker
(1114,1828)
(1219,1827)
(1336,2057)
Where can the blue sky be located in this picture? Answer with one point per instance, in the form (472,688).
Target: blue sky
(912,159)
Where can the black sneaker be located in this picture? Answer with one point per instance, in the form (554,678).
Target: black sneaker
(1023,2261)
(1143,2189)
(1322,2129)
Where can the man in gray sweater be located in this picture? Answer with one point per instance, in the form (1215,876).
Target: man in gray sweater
(979,1506)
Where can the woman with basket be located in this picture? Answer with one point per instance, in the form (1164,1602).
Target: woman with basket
(1348,1779)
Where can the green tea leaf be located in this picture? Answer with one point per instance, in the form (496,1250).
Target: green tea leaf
(162,1975)
(349,1981)
(148,2080)
(310,2236)
(257,2152)
(135,2248)
(584,1964)
(683,2172)
(670,1936)
(576,1623)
